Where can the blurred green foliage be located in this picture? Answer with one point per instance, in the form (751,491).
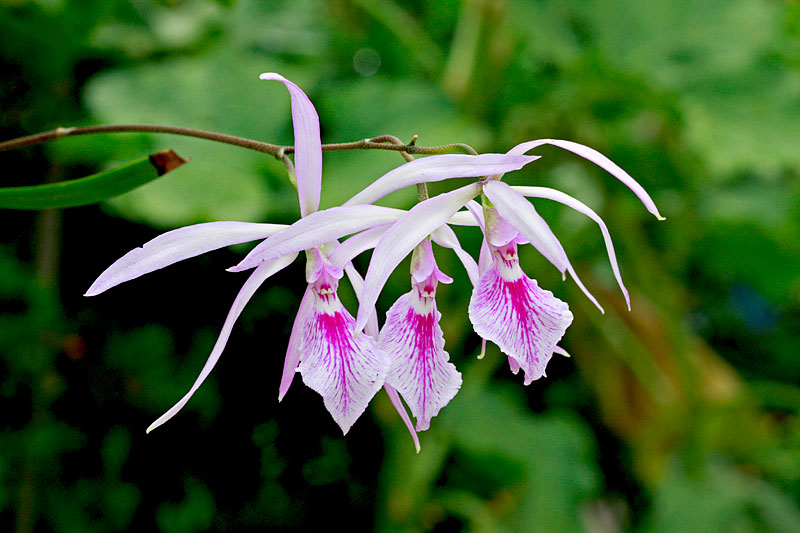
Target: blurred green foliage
(682,415)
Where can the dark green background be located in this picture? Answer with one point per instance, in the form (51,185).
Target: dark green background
(681,415)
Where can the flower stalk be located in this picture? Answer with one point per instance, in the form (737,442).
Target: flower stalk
(383,142)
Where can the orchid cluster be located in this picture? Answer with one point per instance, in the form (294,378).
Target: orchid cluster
(347,359)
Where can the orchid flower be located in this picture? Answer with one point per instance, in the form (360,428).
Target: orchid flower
(420,370)
(345,369)
(506,307)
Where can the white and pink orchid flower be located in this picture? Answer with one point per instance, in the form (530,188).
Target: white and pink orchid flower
(319,343)
(344,369)
(420,371)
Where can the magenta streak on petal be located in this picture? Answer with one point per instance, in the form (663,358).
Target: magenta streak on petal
(598,159)
(401,410)
(510,309)
(438,168)
(177,245)
(319,228)
(308,146)
(558,196)
(253,282)
(346,371)
(293,350)
(420,369)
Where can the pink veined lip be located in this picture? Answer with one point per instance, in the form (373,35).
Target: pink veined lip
(509,309)
(420,371)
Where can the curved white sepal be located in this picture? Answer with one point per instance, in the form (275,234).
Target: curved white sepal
(403,237)
(307,145)
(520,213)
(598,159)
(177,245)
(438,168)
(248,289)
(577,205)
(319,228)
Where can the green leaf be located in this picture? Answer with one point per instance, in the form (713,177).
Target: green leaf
(91,189)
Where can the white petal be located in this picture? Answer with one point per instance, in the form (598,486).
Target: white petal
(462,218)
(307,145)
(403,237)
(357,282)
(177,245)
(319,228)
(355,245)
(582,287)
(446,237)
(401,410)
(438,168)
(293,354)
(598,159)
(558,196)
(520,213)
(476,211)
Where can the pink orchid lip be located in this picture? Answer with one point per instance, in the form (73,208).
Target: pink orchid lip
(510,309)
(420,370)
(347,371)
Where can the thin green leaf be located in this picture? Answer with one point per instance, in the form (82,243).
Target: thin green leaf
(91,189)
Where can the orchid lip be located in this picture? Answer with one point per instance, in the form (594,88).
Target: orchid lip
(510,309)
